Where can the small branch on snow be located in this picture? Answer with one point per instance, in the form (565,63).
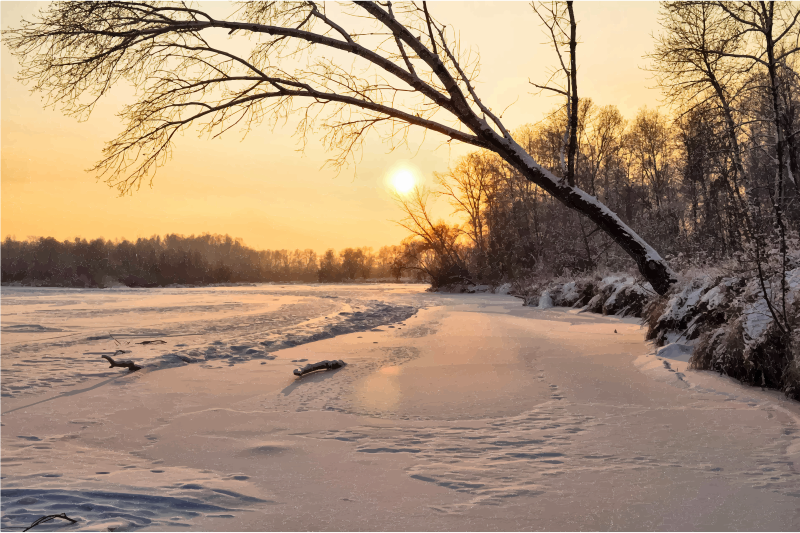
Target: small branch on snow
(322,365)
(130,365)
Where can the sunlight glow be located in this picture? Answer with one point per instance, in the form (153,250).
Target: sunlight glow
(403,181)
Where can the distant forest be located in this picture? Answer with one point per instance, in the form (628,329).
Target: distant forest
(176,259)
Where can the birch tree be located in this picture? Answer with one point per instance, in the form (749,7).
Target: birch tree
(359,68)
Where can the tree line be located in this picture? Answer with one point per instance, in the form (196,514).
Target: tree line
(712,180)
(670,177)
(176,259)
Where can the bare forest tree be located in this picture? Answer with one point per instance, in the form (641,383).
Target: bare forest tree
(432,249)
(347,71)
(559,19)
(728,57)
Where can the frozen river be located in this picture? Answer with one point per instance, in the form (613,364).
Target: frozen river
(54,337)
(455,412)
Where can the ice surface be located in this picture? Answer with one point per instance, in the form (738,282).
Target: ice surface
(54,338)
(475,413)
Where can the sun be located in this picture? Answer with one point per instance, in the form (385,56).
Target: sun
(403,181)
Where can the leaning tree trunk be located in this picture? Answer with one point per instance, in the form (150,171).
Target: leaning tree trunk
(651,265)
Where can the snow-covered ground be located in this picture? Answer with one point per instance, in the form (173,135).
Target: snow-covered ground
(454,412)
(52,338)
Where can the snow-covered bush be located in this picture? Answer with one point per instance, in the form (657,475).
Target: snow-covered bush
(749,346)
(621,294)
(697,305)
(724,318)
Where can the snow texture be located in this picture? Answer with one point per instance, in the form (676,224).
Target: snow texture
(476,413)
(54,338)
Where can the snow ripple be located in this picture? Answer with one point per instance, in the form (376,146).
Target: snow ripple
(97,510)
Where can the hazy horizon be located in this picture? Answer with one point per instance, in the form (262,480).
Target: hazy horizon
(244,242)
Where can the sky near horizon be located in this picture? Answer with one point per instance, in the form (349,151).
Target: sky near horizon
(261,188)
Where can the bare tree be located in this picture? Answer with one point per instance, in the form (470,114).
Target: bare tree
(709,52)
(352,260)
(650,139)
(559,19)
(603,141)
(468,187)
(433,246)
(407,70)
(330,267)
(778,29)
(368,262)
(693,65)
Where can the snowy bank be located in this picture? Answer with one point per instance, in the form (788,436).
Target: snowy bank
(715,322)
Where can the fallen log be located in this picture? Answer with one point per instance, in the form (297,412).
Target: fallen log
(322,365)
(130,365)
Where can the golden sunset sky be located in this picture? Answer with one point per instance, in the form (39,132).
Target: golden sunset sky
(261,188)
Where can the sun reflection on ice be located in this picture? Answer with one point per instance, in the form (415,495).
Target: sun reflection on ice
(380,391)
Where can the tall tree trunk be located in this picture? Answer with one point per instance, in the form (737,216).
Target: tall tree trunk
(573,104)
(652,267)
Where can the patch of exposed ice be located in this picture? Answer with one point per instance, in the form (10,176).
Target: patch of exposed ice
(224,324)
(118,510)
(29,328)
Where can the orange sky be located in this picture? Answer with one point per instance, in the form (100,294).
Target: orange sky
(261,189)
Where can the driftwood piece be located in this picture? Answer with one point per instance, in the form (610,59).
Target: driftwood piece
(159,341)
(322,365)
(130,365)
